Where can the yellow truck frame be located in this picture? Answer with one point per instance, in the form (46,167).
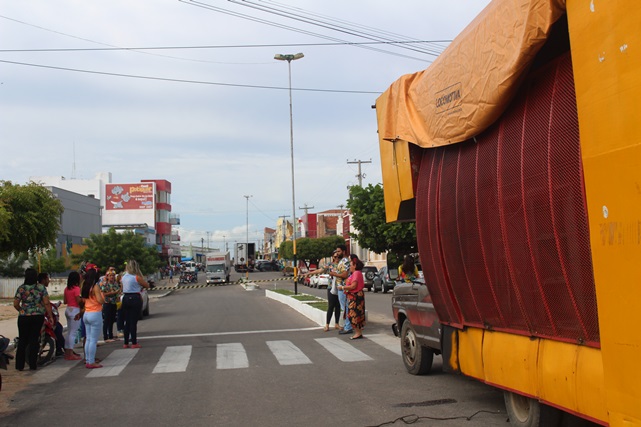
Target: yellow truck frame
(476,77)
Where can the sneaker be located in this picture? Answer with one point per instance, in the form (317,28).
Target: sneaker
(125,346)
(135,346)
(121,334)
(93,366)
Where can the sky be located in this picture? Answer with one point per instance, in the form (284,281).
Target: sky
(190,92)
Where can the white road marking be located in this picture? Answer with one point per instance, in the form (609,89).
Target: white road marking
(220,334)
(287,353)
(390,342)
(114,364)
(231,356)
(343,350)
(174,359)
(54,371)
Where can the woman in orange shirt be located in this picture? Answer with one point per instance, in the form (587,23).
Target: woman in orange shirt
(93,301)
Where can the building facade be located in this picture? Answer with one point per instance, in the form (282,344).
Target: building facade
(80,219)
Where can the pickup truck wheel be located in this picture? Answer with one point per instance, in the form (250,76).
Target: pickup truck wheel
(417,359)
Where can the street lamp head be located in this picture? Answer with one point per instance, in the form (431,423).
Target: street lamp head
(288,57)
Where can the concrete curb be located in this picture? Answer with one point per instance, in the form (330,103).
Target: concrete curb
(315,315)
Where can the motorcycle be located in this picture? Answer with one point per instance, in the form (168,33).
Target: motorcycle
(47,350)
(188,277)
(4,357)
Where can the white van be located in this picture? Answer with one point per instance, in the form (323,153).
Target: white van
(190,266)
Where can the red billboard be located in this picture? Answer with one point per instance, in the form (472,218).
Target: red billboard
(129,196)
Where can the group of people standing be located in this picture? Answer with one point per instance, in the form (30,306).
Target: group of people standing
(92,306)
(345,293)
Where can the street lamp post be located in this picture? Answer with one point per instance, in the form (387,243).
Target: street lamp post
(247,239)
(289,58)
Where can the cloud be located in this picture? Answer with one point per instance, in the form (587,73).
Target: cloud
(214,143)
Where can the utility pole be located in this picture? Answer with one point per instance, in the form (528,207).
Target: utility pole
(306,208)
(247,238)
(342,219)
(360,175)
(284,227)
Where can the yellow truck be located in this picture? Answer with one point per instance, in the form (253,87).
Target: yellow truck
(518,154)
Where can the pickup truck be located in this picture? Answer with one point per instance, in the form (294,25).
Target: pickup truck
(416,324)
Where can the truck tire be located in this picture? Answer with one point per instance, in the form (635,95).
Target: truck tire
(527,412)
(417,358)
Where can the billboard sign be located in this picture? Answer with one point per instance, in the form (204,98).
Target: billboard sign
(130,204)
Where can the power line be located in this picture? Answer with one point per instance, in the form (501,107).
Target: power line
(242,46)
(330,24)
(166,79)
(289,28)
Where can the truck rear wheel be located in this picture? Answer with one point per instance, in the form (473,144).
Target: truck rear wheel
(527,412)
(417,358)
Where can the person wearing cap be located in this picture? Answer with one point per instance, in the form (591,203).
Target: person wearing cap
(333,305)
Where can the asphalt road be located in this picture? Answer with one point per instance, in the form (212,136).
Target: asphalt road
(225,356)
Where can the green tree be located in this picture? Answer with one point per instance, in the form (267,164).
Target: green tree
(49,262)
(368,217)
(313,250)
(285,250)
(29,218)
(13,265)
(114,249)
(310,250)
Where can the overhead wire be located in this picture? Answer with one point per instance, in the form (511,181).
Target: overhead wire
(166,79)
(241,46)
(324,23)
(396,36)
(110,46)
(289,28)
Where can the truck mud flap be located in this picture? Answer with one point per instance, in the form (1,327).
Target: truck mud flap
(449,349)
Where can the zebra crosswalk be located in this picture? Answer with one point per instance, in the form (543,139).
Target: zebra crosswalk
(176,359)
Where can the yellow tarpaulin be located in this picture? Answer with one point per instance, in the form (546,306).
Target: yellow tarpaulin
(469,86)
(462,93)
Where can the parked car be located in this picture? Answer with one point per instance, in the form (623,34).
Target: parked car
(369,274)
(384,282)
(313,281)
(265,265)
(324,280)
